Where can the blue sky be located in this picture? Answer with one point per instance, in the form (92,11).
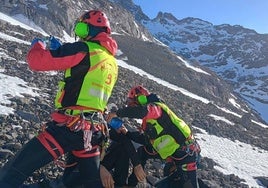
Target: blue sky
(252,14)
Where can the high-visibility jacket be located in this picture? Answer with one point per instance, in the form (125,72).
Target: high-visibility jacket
(168,132)
(89,84)
(90,70)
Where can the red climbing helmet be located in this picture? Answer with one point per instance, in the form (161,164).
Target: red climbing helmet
(134,92)
(96,18)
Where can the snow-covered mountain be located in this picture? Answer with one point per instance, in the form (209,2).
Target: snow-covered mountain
(231,134)
(238,55)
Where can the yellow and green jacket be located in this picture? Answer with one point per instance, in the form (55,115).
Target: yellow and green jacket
(164,129)
(90,71)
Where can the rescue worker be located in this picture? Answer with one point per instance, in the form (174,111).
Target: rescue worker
(164,135)
(77,126)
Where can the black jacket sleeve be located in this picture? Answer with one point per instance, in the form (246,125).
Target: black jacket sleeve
(127,146)
(138,112)
(137,137)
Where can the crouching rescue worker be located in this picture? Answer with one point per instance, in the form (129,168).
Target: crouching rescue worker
(164,135)
(77,124)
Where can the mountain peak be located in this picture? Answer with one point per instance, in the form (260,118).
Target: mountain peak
(236,54)
(165,15)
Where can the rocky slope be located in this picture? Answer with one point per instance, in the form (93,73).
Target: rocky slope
(158,60)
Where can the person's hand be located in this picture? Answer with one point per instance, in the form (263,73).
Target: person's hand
(139,172)
(122,130)
(106,177)
(35,40)
(54,43)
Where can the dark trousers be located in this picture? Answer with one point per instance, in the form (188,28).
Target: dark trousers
(34,156)
(77,175)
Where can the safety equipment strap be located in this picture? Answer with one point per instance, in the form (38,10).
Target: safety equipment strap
(190,149)
(89,123)
(50,144)
(86,154)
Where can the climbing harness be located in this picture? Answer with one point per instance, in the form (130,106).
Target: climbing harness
(191,147)
(90,123)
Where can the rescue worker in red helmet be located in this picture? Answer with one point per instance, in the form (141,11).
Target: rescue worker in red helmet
(164,135)
(77,126)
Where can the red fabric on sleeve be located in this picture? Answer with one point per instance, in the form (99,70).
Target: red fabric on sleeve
(154,112)
(40,59)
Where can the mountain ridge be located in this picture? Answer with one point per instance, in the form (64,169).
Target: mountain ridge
(233,52)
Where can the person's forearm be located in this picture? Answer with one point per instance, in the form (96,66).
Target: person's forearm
(138,112)
(66,56)
(136,136)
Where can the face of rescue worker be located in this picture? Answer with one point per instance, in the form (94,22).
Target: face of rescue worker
(131,102)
